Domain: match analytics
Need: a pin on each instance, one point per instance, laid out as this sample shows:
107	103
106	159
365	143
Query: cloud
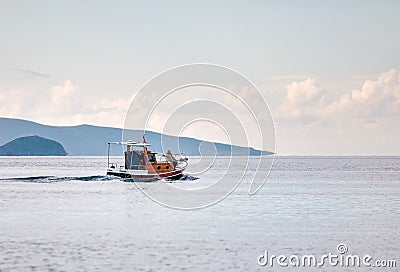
30	73
62	93
305	92
64	90
376	98
306	101
61	105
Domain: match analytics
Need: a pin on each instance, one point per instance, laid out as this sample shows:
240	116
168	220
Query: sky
329	70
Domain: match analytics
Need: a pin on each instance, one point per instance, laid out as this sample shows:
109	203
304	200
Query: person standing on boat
170	158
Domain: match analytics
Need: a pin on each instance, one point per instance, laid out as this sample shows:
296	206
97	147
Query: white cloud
63	105
306	101
59	93
369	112
376	98
305	92
362	121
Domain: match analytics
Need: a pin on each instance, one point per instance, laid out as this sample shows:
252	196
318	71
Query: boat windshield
134	160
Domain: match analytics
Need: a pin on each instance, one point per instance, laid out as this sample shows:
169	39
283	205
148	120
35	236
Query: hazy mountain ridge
92	140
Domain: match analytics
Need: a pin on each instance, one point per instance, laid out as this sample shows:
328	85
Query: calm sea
64	214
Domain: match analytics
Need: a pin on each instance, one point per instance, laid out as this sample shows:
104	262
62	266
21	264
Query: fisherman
170	158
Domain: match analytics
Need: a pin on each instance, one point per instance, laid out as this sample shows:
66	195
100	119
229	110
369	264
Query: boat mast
108	155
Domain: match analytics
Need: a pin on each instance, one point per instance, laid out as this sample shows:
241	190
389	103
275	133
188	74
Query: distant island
32	146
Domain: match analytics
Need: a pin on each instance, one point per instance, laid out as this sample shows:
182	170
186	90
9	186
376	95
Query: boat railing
138	167
133	167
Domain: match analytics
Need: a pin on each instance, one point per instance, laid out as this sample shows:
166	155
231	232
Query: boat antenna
108	155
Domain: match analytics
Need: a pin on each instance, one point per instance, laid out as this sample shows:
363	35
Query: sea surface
64	214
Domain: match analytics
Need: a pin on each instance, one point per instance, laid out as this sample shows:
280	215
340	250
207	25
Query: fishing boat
142	164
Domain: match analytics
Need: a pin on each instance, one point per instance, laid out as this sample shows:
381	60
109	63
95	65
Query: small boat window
158	167
167	167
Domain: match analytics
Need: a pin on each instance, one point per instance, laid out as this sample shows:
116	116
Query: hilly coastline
89	140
